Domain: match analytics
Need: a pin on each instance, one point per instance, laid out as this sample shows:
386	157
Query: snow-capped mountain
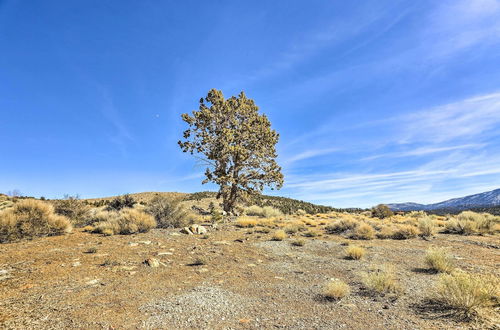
486	199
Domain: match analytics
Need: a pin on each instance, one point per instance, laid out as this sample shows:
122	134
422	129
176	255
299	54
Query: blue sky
375	101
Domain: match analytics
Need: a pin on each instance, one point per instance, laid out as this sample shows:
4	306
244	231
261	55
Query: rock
175	234
152	262
221	243
77	264
164	253
186	230
92	282
133	244
145	242
4	274
252	265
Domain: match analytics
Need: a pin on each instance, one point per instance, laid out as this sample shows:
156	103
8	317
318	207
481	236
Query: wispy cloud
422	151
309	154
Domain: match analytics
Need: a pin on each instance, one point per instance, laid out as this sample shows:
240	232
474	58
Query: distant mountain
482	200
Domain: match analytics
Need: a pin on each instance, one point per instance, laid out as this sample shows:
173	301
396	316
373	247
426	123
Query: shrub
405	232
426	226
310	233
439	260
121	202
385	232
341	226
299	242
300	212
279	235
381	211
336	289
381	281
269	212
30	218
363	231
169	213
469	223
291	229
127	221
246	222
355	252
466	293
253	210
74	209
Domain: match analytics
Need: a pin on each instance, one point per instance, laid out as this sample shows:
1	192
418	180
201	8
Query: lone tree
236	143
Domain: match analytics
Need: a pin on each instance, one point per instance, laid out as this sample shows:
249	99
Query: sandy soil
84	280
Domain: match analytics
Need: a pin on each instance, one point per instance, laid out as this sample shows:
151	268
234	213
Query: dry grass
470	223
405	232
468	294
264	212
381	281
355	252
279	235
336	289
426	226
341	225
124	222
246	222
364	231
299	242
439	260
385	232
31	218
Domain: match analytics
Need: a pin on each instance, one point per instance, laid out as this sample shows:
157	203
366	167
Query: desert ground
236	276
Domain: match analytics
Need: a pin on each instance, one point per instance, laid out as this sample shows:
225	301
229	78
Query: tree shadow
432	309
427	271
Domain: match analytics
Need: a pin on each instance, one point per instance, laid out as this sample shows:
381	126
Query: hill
485	200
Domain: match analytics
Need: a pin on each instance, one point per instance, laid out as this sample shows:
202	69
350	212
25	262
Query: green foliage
168	212
121	202
381	211
236	143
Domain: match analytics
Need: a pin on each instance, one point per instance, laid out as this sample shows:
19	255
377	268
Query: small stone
252	265
202	270
221	243
175	234
92	282
186	230
145	242
164	253
152	262
77	264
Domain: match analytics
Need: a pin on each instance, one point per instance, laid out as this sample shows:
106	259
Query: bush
439	260
74	209
336	289
121	202
127	221
385	232
169	213
253	210
299	242
381	281
341	226
264	212
381	211
363	231
355	252
30	218
426	226
246	223
467	294
469	223
279	235
405	232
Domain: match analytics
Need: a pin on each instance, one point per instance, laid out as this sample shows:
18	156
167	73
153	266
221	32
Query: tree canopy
236	143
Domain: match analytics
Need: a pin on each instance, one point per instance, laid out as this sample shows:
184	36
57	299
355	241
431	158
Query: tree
381	211
236	144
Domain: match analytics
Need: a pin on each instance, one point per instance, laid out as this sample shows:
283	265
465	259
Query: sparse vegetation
279	235
246	222
169	213
31	218
341	226
381	280
405	232
364	231
468	294
124	222
336	289
439	260
470	223
426	226
299	242
121	202
355	252
74	209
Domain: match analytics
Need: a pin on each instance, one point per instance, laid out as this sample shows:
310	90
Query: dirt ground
246	281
